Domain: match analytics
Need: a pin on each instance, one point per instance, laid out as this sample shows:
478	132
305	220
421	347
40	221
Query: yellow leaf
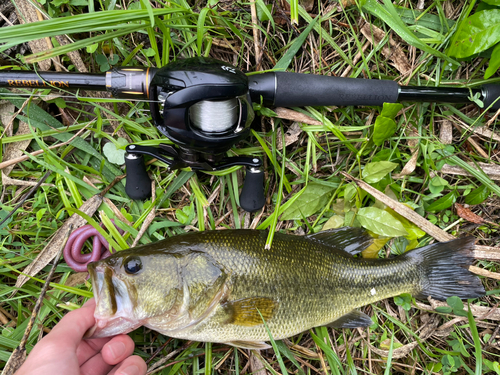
372	250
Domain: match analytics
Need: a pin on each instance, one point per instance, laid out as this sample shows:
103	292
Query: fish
226	287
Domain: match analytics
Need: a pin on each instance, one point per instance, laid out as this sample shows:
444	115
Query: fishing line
214	116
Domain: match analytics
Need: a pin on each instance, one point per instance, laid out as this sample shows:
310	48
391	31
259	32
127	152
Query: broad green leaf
492	2
380	222
425	19
312	200
113	154
477	196
437	184
263	12
444	309
442	203
494	63
457	305
336	221
478	33
391	109
404	300
384	128
414	232
92	48
374	172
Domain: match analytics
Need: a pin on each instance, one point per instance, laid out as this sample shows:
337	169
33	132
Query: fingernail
129	370
117	349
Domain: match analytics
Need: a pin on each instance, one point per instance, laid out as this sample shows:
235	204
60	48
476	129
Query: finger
117	349
70	330
89	348
95	366
64	336
133	365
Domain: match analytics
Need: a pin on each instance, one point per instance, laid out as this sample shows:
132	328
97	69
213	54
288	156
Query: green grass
303	180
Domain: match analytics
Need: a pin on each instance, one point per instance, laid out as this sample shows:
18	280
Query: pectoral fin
245	312
354	319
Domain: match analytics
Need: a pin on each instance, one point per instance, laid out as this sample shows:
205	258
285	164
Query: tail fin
445	270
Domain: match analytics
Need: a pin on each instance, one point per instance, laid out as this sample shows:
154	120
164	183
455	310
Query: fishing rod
204	106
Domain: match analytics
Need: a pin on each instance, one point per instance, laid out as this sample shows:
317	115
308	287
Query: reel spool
203	106
215	116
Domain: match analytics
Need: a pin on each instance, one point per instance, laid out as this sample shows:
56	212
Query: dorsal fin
350	240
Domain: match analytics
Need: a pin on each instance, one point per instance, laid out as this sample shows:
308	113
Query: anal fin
354	319
259	345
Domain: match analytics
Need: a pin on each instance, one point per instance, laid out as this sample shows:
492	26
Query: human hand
64	351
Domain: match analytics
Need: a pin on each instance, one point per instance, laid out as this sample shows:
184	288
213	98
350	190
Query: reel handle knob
252	194
138	183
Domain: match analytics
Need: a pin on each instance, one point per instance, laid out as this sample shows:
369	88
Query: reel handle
252	194
138	183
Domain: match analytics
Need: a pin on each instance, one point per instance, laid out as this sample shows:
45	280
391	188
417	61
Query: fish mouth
114	309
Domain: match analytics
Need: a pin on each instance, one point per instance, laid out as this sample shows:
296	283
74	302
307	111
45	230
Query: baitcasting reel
204	106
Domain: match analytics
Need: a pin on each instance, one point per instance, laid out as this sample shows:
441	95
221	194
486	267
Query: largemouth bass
219	286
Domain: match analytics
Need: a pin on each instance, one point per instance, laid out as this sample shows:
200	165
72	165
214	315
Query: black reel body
203	106
192	91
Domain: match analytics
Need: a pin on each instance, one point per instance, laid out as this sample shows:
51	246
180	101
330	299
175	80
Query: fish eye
132	265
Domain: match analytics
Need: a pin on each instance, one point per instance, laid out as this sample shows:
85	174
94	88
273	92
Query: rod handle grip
138	183
286	89
491	94
252	194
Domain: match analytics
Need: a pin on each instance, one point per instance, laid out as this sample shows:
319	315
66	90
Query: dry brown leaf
409	166
483	131
7	181
392	52
290	114
485	273
7	110
467	214
309	4
74	56
348	3
50	251
487	252
116	211
27	13
401	352
291	135
413	142
446	132
76	279
492	170
256	364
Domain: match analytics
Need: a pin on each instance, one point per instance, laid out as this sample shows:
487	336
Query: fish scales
314	284
219	286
